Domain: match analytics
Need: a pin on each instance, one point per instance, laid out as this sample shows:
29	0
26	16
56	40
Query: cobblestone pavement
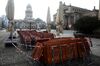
11	57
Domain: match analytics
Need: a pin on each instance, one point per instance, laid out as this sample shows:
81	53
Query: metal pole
30	25
12	30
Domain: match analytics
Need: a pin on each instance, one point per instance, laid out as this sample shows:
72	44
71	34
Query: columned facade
70	19
28	22
71	14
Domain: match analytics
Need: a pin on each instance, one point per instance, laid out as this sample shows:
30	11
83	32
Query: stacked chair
62	51
29	38
51	51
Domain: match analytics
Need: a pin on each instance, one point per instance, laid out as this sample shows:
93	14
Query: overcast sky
39	7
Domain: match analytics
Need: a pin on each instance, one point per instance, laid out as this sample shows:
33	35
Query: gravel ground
11	57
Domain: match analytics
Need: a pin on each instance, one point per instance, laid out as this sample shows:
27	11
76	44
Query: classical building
73	13
29	22
28	13
92	13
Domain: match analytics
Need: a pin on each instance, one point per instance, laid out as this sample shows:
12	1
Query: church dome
28	12
29	7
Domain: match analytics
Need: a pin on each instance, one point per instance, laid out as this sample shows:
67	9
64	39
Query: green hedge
87	24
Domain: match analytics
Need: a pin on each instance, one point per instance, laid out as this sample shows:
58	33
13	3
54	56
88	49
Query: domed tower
28	12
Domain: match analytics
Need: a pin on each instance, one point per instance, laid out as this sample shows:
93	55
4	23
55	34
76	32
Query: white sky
39	7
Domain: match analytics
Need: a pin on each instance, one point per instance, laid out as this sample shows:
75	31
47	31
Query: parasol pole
48	20
10	16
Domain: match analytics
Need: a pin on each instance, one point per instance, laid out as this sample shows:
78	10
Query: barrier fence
29	57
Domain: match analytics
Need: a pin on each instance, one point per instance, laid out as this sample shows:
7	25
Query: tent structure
59	19
10	16
48	20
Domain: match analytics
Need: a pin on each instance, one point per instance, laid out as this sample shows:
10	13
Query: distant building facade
73	13
3	22
40	23
92	13
28	12
29	22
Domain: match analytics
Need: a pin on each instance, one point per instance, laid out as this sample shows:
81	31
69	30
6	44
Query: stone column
66	22
75	18
69	22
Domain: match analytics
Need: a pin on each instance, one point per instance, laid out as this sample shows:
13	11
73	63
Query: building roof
75	7
29	6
